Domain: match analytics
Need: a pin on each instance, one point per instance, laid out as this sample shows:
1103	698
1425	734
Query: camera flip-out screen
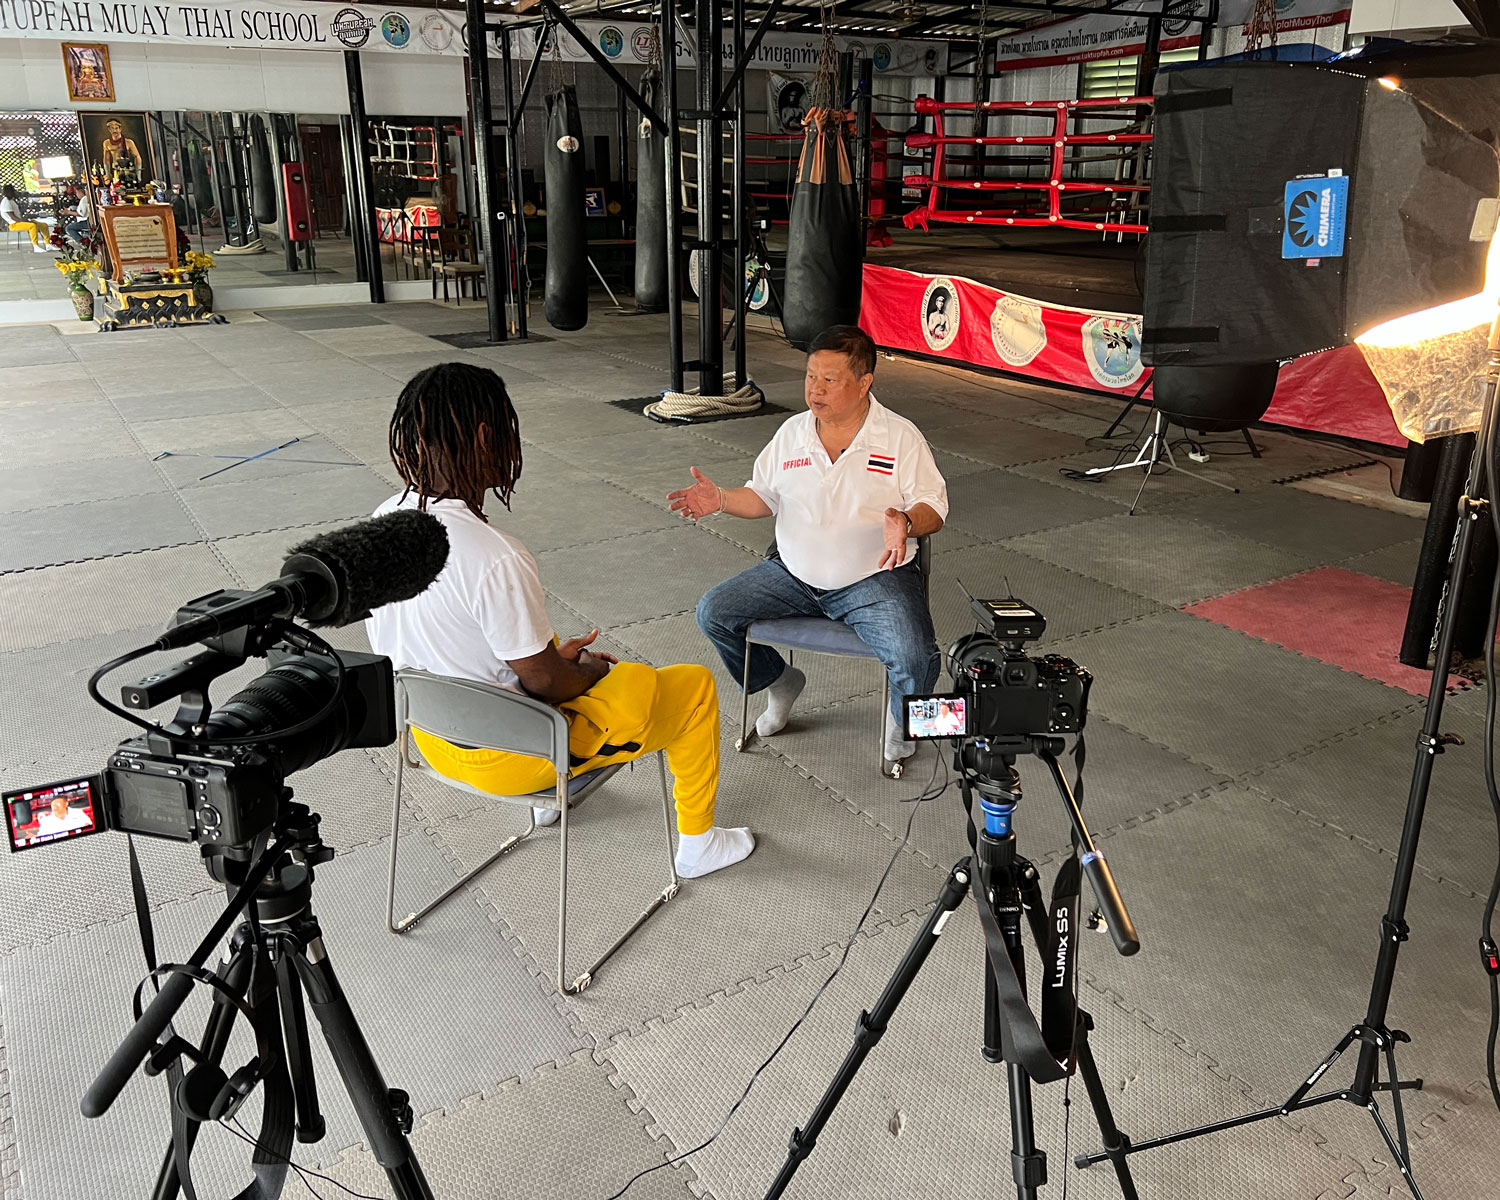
929	717
53	812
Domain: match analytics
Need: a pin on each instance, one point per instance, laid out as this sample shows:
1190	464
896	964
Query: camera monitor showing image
52	812
934	717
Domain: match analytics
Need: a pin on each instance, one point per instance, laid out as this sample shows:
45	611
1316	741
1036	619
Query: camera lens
284	696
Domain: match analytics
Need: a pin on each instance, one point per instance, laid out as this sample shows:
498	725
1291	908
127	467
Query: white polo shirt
830	516
485	609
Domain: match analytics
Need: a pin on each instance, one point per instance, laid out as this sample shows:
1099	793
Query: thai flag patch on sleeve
882	464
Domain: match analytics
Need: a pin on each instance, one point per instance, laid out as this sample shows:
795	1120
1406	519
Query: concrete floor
1248	797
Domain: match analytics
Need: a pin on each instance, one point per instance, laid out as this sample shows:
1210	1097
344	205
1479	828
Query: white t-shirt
830	516
48	825
485	609
10	211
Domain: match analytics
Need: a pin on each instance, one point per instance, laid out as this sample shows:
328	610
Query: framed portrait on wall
87	66
117	140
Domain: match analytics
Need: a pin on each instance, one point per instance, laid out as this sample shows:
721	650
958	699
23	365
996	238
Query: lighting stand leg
872	1025
1376	1039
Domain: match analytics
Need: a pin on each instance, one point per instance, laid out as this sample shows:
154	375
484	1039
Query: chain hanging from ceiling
1261	27
824	91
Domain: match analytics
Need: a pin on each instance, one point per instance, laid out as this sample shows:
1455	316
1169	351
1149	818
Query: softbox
1296	205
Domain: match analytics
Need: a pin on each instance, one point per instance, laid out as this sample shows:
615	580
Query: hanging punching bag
202	187
262	178
825	250
567	285
650	208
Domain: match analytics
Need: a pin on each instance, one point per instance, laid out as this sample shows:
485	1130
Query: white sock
896	746
780	697
546	816
703	853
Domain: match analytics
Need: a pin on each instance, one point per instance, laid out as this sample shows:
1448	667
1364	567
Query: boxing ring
1040	281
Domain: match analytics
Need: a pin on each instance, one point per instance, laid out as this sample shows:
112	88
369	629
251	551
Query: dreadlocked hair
435	442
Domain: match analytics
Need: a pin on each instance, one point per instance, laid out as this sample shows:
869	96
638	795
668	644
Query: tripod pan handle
138	1042
1121	927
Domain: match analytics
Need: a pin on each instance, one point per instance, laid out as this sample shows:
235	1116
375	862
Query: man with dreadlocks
455	438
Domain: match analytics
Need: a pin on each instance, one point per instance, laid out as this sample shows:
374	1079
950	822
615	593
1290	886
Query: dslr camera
1001	694
216	775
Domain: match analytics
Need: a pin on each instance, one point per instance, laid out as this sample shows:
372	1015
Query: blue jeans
887	609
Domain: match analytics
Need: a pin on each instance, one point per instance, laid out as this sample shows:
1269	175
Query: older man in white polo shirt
852	486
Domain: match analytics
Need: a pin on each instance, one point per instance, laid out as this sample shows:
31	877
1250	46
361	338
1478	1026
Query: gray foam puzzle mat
255	506
390	981
598	579
493	1145
1304	523
1071	602
105	595
926	1116
720	929
328	376
192	402
1197	562
999	504
119	478
270	424
94	529
1136	667
1002	442
240	461
1394	564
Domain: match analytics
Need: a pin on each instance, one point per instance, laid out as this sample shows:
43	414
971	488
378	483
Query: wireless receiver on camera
333	579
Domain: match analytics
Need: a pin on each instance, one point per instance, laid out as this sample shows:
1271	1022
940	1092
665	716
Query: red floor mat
1340	617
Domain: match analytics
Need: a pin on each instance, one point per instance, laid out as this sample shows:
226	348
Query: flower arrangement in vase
196	267
76	261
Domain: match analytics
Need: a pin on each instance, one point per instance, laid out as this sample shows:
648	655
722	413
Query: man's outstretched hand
573	649
897	528
702	499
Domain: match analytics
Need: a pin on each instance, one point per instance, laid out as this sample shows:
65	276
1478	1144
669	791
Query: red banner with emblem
948	316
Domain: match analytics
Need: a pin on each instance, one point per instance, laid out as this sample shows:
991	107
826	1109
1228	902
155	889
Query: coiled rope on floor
689	406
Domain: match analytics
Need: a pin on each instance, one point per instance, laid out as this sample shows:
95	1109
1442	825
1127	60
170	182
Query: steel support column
710	201
738	206
674	190
487	198
364	223
515	197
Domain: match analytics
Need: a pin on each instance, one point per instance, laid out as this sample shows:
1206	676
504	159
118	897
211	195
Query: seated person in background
81	227
454	438
60	818
851	485
10	217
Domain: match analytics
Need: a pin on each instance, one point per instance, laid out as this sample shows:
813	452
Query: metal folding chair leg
412	918
587	977
744	739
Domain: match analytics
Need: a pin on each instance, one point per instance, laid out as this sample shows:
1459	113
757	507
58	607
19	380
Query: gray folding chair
491	718
821	635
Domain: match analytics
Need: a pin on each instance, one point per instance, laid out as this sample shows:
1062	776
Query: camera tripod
276	959
1004	885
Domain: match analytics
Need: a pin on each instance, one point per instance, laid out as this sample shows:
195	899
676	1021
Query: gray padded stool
821	635
491	718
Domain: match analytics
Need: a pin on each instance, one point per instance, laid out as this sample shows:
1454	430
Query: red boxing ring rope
1061	112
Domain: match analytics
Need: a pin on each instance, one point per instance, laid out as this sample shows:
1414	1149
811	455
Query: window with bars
1105	77
28	137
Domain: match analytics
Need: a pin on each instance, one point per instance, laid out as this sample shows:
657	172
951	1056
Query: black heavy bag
650	208
262	177
202	187
825	245
567	289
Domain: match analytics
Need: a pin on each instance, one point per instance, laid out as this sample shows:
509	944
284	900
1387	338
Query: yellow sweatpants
679	714
30	227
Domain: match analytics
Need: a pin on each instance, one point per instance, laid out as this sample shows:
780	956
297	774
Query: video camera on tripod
217	776
1007	703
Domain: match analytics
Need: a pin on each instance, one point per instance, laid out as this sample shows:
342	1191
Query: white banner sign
1091	37
250	23
630	43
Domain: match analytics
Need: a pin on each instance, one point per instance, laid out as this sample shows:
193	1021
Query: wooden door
323	152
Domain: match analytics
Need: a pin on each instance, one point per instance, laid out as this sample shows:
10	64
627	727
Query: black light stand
1376	1039
276	961
1003	885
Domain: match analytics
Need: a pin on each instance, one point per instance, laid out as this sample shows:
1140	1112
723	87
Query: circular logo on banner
760	294
1112	349
1017	330
611	41
463	35
640	45
351	27
396	29
437	31
882	56
1179	9
940	313
856	49
567	143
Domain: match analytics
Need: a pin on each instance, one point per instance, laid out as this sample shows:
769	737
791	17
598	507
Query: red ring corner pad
1340	617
